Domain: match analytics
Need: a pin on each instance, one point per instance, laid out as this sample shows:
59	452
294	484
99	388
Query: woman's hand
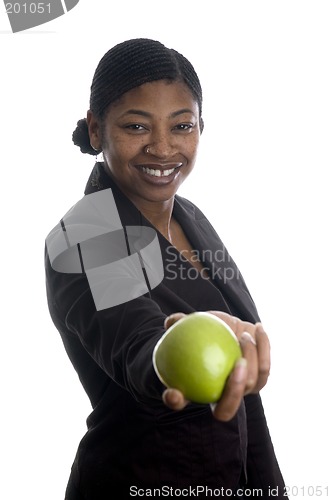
249	375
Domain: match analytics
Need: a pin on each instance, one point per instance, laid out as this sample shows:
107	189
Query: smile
157	172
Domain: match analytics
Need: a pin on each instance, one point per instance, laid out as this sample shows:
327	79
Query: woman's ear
201	124
94	131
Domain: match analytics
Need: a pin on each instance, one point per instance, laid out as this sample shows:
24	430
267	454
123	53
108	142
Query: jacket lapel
213	254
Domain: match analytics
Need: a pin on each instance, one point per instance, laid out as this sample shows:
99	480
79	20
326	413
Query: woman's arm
119	339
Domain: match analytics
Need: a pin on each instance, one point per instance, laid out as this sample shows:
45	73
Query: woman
111	307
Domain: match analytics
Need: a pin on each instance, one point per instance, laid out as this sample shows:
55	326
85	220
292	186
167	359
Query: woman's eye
135	126
184	126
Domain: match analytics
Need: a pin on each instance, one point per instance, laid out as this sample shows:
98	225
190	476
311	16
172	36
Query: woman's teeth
158	173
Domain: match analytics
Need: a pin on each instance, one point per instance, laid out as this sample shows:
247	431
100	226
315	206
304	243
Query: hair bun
81	137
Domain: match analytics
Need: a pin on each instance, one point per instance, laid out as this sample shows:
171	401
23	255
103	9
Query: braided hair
128	65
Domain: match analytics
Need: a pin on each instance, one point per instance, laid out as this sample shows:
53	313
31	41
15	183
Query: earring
97	151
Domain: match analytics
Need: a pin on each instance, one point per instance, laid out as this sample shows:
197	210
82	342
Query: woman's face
163	116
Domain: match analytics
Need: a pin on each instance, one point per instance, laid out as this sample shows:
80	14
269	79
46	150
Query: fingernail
249	337
241	370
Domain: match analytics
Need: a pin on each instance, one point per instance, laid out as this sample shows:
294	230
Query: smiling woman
133	257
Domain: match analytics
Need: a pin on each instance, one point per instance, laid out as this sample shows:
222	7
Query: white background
261	178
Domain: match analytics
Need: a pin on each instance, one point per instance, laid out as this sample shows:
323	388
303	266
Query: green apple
196	355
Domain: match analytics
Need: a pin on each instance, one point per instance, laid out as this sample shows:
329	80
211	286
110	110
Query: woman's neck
159	214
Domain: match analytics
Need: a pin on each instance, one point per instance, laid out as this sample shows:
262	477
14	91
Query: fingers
173	318
231	398
249	351
251	372
255	347
264	357
174	399
231	321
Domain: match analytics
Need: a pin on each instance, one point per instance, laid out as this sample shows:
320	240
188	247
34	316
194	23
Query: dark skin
165	117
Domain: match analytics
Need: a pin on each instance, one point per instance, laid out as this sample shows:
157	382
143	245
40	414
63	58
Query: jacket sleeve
120	339
263	471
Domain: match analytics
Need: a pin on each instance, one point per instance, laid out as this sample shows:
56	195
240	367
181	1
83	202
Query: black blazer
132	439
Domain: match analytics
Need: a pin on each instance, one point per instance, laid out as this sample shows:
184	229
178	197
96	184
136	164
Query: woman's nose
162	146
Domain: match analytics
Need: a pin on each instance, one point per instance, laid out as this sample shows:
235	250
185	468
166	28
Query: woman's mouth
160	175
157	172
